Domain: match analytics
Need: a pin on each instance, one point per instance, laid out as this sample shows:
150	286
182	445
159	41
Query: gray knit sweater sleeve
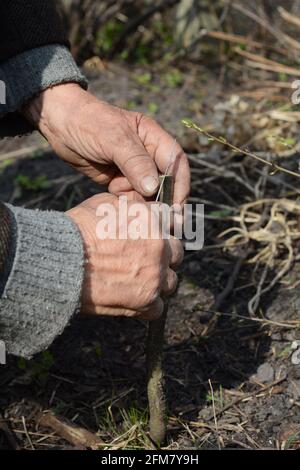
41	282
43	286
27	74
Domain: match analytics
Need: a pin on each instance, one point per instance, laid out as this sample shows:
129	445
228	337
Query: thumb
138	167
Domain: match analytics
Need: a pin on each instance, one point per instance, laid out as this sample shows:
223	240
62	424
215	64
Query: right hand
123	149
124	277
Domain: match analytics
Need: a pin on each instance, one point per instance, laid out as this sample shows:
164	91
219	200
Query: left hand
124	276
123	149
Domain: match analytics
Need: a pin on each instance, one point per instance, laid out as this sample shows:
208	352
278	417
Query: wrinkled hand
123	149
124	277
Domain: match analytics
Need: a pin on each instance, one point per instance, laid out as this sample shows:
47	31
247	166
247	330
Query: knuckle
171	282
150	296
134	160
155	285
159	247
142	118
177	251
174	281
149	289
155	275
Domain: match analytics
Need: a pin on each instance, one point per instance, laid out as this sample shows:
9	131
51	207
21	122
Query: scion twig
221	140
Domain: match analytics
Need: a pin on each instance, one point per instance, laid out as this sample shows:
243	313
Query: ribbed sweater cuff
44	286
33	71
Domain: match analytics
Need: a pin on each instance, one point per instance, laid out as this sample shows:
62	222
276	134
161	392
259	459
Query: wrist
49	105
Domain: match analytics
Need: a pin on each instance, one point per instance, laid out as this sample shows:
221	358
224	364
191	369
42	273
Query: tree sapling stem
154	351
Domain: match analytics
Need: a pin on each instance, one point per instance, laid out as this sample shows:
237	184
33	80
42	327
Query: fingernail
149	184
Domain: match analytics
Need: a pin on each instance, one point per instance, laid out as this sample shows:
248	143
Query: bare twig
239	39
231	281
214	412
27	434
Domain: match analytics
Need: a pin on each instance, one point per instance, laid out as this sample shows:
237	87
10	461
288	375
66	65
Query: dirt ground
230	378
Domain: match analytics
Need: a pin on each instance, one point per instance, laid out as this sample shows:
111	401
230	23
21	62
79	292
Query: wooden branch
236	38
270	68
282	38
77	436
267	64
291	41
24	153
269	83
285	15
154	352
250	14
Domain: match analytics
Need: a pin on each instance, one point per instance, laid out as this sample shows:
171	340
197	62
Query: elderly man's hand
124	276
123	149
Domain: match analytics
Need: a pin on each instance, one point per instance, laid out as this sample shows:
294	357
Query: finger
90	309
120	186
176	252
153	311
160	146
170	282
101	174
182	178
139	168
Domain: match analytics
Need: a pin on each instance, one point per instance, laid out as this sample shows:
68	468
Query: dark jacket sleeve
27	24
